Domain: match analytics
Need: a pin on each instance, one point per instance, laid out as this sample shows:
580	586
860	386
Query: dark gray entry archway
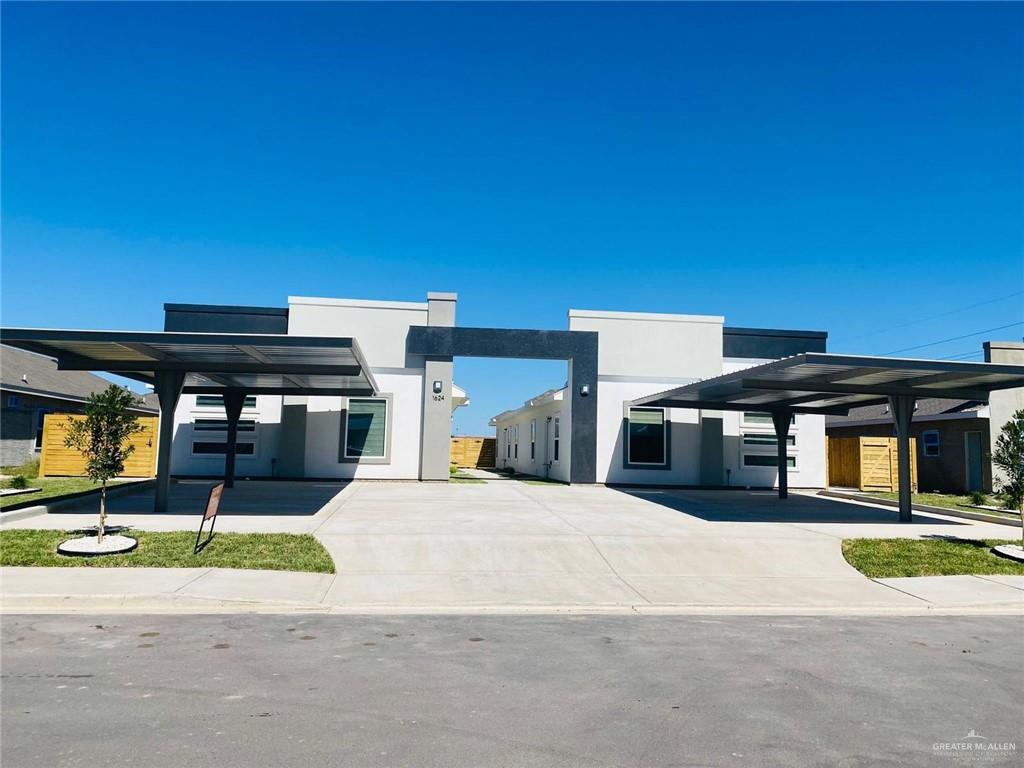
579	348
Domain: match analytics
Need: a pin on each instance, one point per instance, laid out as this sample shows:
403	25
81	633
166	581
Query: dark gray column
902	407
781	421
168	386
234	399
583	388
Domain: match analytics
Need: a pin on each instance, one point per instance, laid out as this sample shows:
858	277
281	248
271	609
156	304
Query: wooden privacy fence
57	460
868	463
473	451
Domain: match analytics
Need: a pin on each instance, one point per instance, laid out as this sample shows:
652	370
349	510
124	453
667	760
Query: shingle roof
926	406
30	373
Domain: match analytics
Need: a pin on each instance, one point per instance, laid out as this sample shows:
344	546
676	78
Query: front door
972	451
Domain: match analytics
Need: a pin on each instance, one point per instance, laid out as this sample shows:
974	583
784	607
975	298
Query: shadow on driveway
279	498
766	507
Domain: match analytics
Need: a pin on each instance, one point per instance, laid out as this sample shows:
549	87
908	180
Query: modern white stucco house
373	437
640	354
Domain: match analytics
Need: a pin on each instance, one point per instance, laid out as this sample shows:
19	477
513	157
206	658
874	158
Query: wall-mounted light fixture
584	390
438	387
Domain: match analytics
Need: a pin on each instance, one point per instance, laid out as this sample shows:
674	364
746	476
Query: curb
56	502
980	517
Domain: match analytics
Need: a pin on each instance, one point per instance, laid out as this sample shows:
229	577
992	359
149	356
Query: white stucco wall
550	408
267	415
640	354
809	449
380	328
324	432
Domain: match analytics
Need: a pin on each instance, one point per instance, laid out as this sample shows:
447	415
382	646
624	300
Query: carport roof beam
833	384
211	362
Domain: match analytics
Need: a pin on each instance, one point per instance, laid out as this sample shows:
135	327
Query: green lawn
50	488
949	500
265	551
887	558
462	477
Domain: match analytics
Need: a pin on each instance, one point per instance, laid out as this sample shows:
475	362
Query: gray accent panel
217	318
291	458
435	451
712	450
770	343
388	437
578	347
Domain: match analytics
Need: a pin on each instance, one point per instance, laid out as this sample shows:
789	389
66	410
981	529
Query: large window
366	428
217	401
533	439
515	450
556	440
930	442
646	436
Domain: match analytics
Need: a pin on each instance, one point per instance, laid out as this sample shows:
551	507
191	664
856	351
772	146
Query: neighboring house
641	354
31	387
952	437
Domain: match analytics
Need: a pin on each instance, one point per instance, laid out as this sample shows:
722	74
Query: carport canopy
229	364
833	384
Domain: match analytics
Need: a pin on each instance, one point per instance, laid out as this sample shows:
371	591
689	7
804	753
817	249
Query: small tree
1009	457
103	438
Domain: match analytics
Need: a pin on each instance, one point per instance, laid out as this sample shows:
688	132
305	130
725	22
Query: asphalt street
448	691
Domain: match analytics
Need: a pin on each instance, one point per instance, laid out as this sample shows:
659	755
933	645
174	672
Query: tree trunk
103	511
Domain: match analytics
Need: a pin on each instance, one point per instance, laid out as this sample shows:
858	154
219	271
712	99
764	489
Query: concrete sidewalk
216	590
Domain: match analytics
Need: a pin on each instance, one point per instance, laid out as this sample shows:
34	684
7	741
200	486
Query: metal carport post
231	365
826	384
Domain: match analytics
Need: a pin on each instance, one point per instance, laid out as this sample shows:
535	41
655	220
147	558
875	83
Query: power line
935	317
963	355
954	338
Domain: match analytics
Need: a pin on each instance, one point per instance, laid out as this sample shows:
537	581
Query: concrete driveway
511	544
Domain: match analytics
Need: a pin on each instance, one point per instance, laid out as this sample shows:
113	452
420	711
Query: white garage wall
267	415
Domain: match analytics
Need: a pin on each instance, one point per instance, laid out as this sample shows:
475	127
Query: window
221	425
40	420
366	428
557	436
766	460
930	441
762	419
202	448
217	401
533	439
508	445
515	451
765	440
13	401
646	436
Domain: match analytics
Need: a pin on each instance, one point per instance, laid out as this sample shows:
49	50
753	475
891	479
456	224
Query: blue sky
854	168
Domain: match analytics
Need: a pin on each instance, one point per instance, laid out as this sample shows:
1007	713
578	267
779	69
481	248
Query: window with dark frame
930	442
366	428
646	436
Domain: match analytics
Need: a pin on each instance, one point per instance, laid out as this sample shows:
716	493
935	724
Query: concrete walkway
509	546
